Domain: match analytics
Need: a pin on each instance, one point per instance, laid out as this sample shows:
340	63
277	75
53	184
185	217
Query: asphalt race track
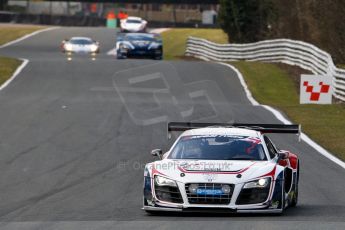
75	136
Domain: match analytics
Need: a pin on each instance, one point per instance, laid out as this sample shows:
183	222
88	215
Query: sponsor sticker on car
209	192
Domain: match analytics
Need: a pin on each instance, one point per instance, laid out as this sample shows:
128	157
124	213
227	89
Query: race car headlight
154	45
260	183
93	48
142	25
68	47
126	46
162	181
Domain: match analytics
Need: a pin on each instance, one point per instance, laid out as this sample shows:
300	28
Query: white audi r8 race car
133	24
216	167
81	45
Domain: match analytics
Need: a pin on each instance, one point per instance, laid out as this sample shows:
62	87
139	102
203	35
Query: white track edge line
243	83
27	36
14	75
24	61
159	30
280	117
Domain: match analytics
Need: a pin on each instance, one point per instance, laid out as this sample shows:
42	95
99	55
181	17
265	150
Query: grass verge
7	68
175	40
275	85
271	84
341	66
9	33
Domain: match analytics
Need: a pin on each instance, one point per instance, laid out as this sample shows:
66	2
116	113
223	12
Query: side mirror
283	155
157	152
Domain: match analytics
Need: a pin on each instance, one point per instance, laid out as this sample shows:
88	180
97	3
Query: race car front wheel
121	56
295	196
158	57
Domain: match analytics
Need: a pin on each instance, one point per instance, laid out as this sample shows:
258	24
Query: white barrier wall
302	54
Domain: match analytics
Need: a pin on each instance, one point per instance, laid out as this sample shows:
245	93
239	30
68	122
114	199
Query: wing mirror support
157	153
283	155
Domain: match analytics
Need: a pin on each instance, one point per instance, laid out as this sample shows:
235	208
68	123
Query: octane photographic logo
155	93
206	168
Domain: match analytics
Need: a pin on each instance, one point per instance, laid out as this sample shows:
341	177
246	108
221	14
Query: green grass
175	40
7	68
341	66
7	34
272	85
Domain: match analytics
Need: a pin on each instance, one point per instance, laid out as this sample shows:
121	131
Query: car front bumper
81	52
210	210
143	53
272	204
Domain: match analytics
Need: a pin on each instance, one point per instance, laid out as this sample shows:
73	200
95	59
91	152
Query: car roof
149	35
84	38
134	18
228	131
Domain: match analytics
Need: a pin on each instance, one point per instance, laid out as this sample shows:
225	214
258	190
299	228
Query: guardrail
302	54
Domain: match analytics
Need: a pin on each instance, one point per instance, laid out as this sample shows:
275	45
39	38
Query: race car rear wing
264	128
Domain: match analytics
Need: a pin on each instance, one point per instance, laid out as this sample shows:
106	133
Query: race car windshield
133	21
81	41
140	38
218	148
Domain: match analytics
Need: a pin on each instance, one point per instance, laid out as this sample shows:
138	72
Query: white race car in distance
216	167
82	45
133	24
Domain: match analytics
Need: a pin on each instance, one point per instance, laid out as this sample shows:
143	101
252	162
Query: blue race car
139	45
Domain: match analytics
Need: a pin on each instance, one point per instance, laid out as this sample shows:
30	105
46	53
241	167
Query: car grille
195	198
139	49
168	194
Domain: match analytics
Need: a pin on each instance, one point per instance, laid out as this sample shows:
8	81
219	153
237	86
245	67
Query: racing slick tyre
158	58
283	201
295	197
119	56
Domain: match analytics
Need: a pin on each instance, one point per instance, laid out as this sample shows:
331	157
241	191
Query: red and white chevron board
315	89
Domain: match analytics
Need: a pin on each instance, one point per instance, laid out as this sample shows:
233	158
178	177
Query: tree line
247	20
